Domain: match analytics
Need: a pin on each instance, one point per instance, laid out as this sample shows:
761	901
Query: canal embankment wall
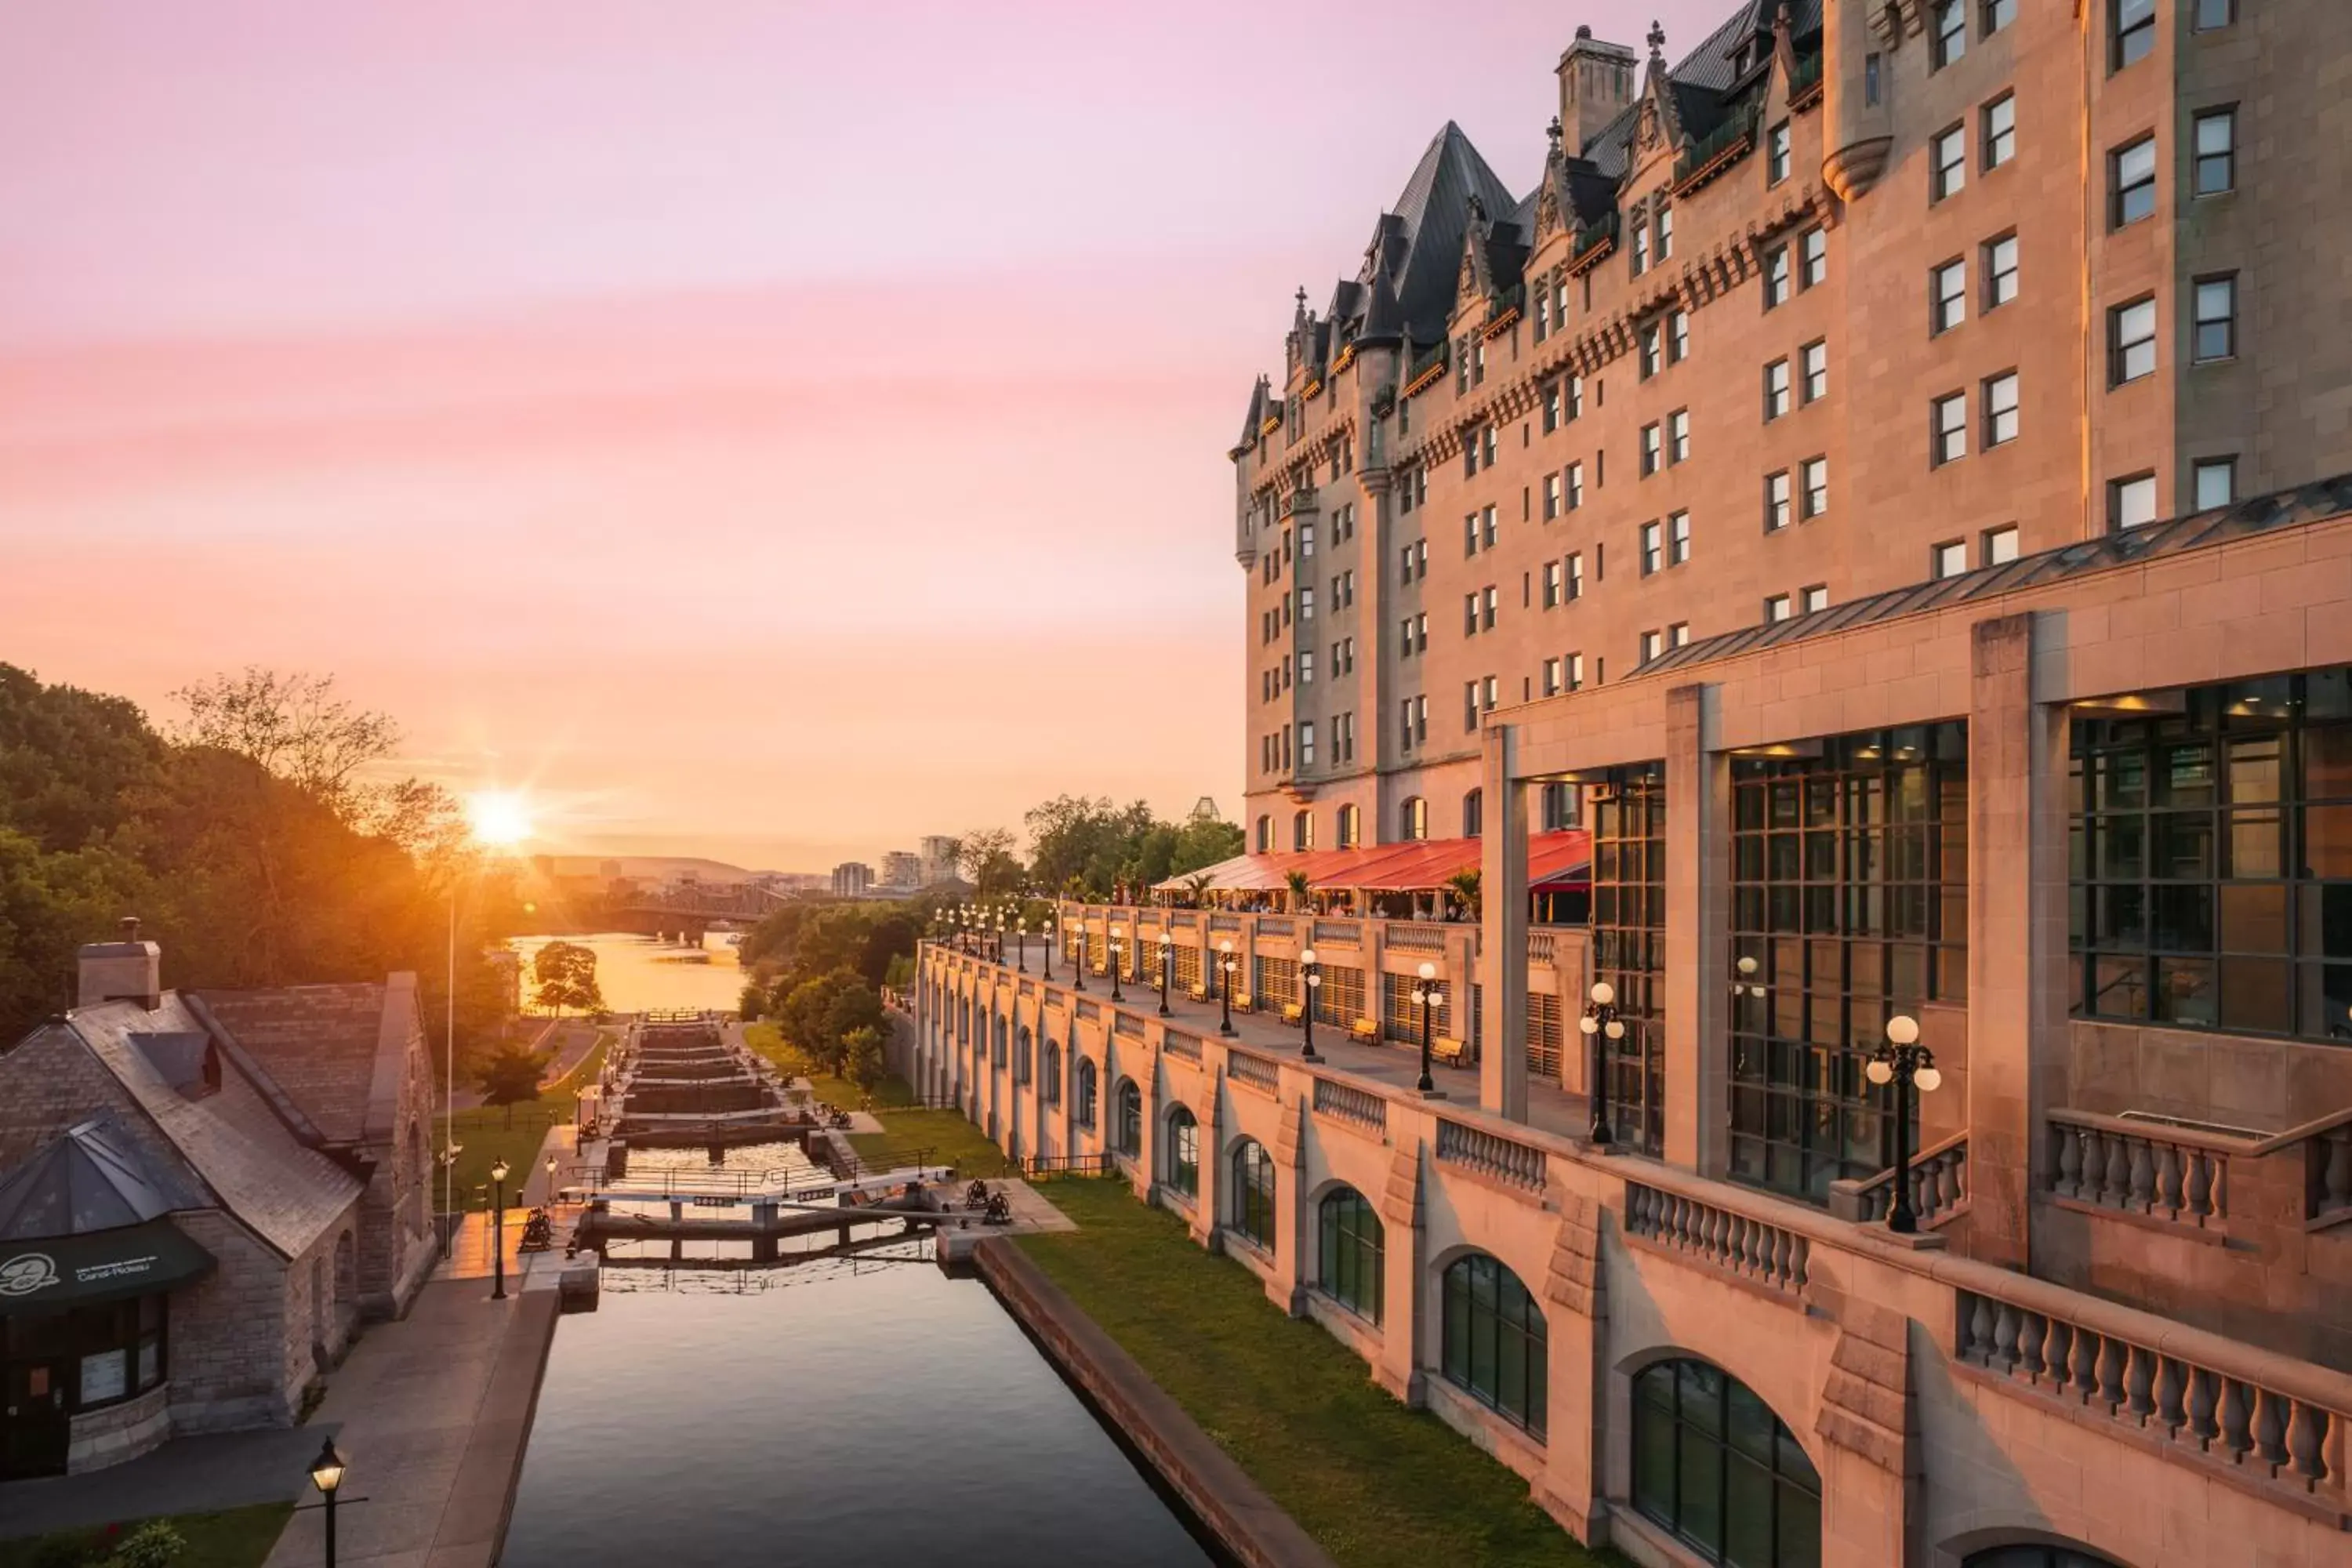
1246	1523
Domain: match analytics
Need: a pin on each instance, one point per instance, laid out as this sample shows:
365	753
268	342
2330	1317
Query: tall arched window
2035	1555
1254	1192
1085	1108
1131	1118
1264	833
1474	813
1351	1252
1184	1151
1302	830
997	1055
1021	1056
1412	818
1713	1464
1053	1073
1350	824
1495	1340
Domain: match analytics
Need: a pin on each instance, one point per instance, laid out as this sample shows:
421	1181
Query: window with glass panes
1350	1256
1546	1036
2211	860
1341	998
1629	945
1254	1192
1849	891
1273	982
1714	1465
1184	1151
1187	967
1401	1014
1495	1340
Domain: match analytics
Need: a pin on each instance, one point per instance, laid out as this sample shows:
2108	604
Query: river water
637	973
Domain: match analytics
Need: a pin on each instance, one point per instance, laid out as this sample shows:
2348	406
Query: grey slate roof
1702	77
319	1042
1430	218
87	1178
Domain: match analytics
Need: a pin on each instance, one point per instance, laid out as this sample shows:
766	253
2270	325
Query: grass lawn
1377	1485
235	1538
486	1138
908	1131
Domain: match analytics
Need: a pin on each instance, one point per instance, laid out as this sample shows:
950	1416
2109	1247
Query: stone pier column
1503	905
1398	1370
1698	924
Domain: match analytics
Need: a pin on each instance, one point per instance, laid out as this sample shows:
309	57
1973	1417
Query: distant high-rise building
902	868
938	852
852	880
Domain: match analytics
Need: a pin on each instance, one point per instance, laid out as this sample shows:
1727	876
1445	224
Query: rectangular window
2001	545
1306	539
1551	497
1305	604
1813	249
1947	37
1678	538
1999	14
2000	414
2216	142
1551	583
1652	548
2000	271
1469	705
1776	390
1653	644
1678	436
2131	342
1489	437
1776	501
2131	502
1306	666
1640	258
1776	153
1814	360
1677	337
1947	297
1575	589
1870	77
1486	620
1470	533
1816	598
2216	482
1815	473
1552	678
1487	527
1307	743
1948	559
1947	164
1575	400
1678	635
2216	326
2134	35
1779	607
1665	232
1551	408
1470	615
1572	671
2000	119
1653	341
1404	726
2212	14
1947	430
1543	314
2133	173
1650	450
1775	276
1575	486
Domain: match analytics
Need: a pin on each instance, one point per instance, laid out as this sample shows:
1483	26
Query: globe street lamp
1313	981
1427	996
1117	949
1226	965
498	1231
1601	1025
1747	985
1049	947
1166	967
326	1475
1906	1064
1020	945
1078	965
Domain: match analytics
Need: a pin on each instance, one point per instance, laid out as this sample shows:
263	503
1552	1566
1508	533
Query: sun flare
499	818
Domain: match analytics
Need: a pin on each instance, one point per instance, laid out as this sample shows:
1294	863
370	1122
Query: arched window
1184	1152
1131	1118
1495	1340
1713	1464
1474	813
2036	1555
1351	826
1053	1073
1412	818
1254	1192
1021	1055
1086	1106
997	1057
1302	830
1264	833
1352	1246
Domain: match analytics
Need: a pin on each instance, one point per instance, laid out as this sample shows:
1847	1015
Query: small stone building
202	1194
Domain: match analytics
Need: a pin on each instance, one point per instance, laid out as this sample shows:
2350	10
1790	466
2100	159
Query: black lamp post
1906	1064
1427	996
1020	945
1226	965
1601	1024
1118	948
1049	947
1166	967
498	1231
1078	967
1311	980
326	1475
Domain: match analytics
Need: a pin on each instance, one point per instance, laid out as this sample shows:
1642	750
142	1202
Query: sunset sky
766	430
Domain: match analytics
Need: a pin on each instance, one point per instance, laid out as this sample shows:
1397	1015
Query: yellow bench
1452	1053
1200	994
1292	1012
1364	1029
1244	1003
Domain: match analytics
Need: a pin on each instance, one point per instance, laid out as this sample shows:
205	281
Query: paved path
432	1414
188	1475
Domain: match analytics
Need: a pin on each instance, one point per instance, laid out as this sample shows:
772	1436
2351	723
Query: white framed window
2131	501
1815	475
1776	390
1306	666
1947	296
1813	360
2000	271
2001	414
1947	430
2215	482
1776	501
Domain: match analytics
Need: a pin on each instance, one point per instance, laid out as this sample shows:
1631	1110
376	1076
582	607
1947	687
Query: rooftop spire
1657	42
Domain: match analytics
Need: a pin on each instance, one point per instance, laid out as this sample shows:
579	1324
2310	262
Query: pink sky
767	430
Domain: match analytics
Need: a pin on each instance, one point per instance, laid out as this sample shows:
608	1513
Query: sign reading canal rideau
63	1272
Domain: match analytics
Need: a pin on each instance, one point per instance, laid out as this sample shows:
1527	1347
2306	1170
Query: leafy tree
1463	886
753	1005
863	1062
510	1076
1300	889
566	973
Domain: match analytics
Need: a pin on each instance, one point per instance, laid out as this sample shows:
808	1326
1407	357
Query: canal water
637	973
867	1413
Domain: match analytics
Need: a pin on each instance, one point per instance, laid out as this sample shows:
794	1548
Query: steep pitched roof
1433	216
88	1178
319	1044
1702	77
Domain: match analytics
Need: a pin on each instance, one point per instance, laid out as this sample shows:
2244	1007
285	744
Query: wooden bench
1452	1053
1292	1012
1364	1029
1244	1003
1200	994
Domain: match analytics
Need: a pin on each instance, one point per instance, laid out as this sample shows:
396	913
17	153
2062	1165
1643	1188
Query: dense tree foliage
566	976
1088	846
246	874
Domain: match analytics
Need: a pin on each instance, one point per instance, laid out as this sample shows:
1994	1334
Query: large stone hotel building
1884	503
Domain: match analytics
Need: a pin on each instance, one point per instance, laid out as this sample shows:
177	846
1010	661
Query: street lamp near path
1601	1024
1311	979
1020	945
326	1475
1049	947
1167	968
1427	996
1118	949
498	1231
1226	965
1906	1064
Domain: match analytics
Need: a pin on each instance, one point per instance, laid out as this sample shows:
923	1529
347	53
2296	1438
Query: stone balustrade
2141	1167
1255	1071
1350	1104
1413	936
1127	1025
1225	922
1773	1256
1541	947
1939	1187
1506	1158
1344	933
1088	1010
1276	925
1181	1045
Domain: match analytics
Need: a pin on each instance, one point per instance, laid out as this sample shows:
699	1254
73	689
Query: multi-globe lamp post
1226	965
1049	946
1310	979
1601	1025
1427	996
1021	945
1909	1066
1167	968
1118	948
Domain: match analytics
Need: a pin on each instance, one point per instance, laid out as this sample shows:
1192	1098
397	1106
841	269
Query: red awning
1556	862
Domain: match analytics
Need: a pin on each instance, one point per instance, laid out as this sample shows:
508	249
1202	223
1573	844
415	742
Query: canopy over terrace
1403	880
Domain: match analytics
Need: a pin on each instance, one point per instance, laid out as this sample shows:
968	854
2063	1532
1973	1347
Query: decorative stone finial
1584	31
1657	40
1478	209
1554	131
1783	21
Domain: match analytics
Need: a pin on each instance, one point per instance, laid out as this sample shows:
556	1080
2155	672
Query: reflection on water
637	973
868	1412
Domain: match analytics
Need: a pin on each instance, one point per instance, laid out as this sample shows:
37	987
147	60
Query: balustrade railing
1939	1186
1491	1154
2330	1176
1225	922
1346	934
1350	1104
1183	920
1540	946
1255	1071
1276	925
1127	1024
2141	1167
1771	1254
2196	1390
1405	936
1088	1010
1182	1045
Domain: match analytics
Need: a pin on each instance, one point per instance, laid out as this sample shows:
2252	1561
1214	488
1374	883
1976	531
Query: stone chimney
1596	85
125	971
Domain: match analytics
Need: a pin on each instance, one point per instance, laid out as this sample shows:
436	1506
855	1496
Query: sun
499	818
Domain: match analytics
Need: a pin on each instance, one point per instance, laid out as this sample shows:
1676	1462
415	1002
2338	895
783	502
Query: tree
862	1050
753	1005
566	973
1464	885
1300	890
978	850
293	724
510	1077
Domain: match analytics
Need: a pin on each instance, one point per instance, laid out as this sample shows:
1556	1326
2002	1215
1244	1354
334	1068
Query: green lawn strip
1377	1485
941	1137
233	1538
792	1062
486	1138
